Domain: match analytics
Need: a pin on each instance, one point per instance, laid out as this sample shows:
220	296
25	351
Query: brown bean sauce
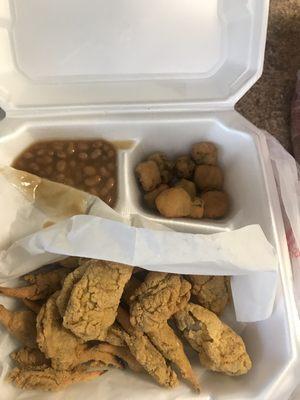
89	165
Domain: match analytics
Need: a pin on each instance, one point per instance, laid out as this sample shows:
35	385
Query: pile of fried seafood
191	186
84	317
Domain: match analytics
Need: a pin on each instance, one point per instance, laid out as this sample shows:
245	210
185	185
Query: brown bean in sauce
89	165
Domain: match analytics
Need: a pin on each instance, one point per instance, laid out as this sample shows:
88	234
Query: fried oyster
65	350
164	338
114	334
220	348
94	299
145	353
157	299
55	341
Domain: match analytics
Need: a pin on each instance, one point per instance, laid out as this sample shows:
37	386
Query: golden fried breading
44	279
205	153
41	285
174	203
32	305
122	353
197	210
208	177
165	340
49	379
113	362
188	186
219	347
216	203
148	174
115	335
150	197
70	280
151	359
184	167
20	324
58	343
146	354
184	294
157	299
69	262
165	166
54	340
94	300
130	288
27	357
210	291
96	354
23	292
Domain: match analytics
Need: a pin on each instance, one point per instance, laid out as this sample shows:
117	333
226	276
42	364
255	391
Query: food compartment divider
123	205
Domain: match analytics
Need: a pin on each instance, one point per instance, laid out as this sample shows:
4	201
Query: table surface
267	104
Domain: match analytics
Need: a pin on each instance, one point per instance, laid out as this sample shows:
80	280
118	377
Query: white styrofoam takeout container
165	74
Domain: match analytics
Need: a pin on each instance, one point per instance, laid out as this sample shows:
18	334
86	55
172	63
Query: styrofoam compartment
272	343
125	52
137	70
238	158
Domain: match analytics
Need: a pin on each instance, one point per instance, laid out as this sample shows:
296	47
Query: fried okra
165	166
208	177
184	167
149	175
216	204
188	186
174	203
150	197
205	153
197	210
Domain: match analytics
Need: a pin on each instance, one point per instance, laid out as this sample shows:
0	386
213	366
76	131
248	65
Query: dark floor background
267	104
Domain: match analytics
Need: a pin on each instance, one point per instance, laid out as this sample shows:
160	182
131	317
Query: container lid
114	53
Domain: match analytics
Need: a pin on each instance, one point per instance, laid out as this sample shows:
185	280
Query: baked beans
89	165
